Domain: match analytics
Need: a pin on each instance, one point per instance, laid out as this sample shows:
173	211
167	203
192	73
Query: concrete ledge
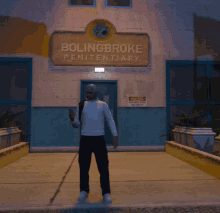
204	161
13	153
109	148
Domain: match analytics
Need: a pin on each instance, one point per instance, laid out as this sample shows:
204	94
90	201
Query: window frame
94	4
106	3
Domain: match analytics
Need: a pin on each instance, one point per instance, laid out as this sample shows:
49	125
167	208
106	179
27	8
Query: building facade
159	57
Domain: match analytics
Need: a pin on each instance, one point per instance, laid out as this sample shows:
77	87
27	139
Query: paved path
137	179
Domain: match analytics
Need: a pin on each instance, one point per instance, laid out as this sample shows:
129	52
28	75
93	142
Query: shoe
83	195
107	198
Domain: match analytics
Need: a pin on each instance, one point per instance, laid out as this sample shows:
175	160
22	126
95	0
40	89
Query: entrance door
107	92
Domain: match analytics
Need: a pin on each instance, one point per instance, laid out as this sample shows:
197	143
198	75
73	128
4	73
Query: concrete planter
9	136
176	133
216	147
3	138
14	135
183	135
13	153
201	139
179	134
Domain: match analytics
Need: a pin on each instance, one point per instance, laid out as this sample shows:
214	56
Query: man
92	140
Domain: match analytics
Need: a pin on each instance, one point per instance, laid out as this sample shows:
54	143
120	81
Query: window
82	2
108	3
193	86
118	3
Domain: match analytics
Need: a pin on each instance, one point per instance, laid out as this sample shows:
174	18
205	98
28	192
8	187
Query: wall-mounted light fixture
99	69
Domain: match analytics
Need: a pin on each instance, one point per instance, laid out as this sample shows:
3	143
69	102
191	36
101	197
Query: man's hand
71	115
115	141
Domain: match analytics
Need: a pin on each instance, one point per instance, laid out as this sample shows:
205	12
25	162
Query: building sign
137	101
99	45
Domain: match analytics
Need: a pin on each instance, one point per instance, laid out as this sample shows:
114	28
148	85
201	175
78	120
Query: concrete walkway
137	179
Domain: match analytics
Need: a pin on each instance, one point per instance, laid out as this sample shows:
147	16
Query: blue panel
51	127
136	127
142	126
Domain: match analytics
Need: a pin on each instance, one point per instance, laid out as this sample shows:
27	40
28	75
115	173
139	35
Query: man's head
91	92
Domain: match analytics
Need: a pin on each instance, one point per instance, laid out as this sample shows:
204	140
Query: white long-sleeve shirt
92	118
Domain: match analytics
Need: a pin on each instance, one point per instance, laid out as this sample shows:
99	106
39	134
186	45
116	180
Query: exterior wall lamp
99	69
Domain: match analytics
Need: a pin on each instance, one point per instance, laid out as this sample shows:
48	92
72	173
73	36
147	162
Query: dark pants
95	144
